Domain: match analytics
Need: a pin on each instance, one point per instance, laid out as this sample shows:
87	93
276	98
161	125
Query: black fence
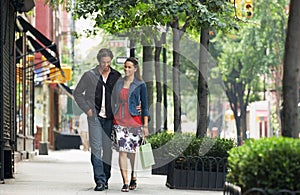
199	173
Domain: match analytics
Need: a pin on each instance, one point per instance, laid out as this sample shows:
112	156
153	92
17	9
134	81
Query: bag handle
144	141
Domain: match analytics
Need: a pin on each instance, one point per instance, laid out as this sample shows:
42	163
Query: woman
130	124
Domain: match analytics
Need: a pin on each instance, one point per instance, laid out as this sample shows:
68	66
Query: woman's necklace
127	82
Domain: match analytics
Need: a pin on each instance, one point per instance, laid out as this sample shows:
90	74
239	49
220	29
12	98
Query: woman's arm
144	101
145	126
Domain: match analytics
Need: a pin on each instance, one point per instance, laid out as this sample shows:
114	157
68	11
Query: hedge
268	163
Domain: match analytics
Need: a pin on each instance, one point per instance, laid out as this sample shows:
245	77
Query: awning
46	48
67	89
75	110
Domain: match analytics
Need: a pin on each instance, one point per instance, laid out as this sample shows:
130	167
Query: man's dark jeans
99	136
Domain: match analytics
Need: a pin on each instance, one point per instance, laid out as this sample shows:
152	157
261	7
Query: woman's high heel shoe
125	188
132	184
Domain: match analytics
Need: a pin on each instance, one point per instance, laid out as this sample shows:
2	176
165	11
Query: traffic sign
120	60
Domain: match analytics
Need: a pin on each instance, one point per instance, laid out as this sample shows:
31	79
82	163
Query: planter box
158	169
199	173
161	165
67	141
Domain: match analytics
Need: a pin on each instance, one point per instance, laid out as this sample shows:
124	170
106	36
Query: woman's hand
145	130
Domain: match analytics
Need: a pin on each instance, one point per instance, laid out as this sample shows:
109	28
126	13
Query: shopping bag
139	168
146	155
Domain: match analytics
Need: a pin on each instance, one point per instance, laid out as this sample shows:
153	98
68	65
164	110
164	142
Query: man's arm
79	95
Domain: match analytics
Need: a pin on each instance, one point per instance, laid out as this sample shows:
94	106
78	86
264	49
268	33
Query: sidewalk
70	172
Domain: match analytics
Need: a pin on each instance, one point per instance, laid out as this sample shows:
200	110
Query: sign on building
117	43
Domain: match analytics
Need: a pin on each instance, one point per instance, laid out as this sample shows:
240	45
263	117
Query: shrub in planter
168	146
199	160
160	151
203	165
159	139
214	147
267	163
188	144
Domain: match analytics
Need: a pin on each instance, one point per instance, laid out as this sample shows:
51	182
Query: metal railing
207	173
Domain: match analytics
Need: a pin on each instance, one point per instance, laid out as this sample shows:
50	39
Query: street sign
120	60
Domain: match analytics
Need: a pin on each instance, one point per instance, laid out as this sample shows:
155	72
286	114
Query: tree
240	73
202	91
116	16
254	50
271	33
219	18
192	15
291	73
158	49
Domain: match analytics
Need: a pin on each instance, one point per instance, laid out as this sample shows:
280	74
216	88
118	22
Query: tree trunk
243	122
278	97
233	102
148	78
202	92
176	80
165	89
242	106
158	86
238	128
132	48
291	73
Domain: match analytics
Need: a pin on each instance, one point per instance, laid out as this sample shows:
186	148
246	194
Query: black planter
199	173
162	162
160	168
67	141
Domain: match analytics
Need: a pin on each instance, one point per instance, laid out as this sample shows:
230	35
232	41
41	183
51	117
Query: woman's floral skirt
126	139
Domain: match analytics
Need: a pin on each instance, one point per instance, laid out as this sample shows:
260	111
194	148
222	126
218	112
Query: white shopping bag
139	168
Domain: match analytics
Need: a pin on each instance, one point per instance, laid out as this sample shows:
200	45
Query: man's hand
90	112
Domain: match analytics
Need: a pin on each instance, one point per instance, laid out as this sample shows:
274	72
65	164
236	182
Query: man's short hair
104	52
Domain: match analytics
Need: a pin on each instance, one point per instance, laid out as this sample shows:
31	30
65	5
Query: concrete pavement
70	172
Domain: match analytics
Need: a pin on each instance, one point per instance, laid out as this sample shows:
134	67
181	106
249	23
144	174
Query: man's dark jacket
88	92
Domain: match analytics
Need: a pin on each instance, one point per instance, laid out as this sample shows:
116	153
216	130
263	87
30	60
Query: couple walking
117	106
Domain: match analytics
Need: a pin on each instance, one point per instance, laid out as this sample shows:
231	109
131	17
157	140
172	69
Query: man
93	96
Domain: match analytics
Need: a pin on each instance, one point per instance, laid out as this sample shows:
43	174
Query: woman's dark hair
135	62
104	52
